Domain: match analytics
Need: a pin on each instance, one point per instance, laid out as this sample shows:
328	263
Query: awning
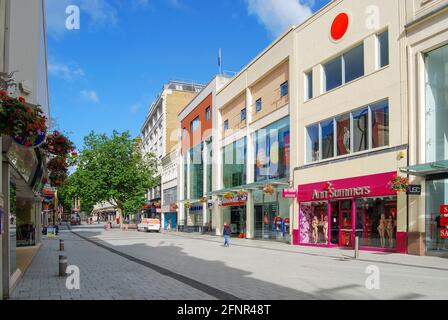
426	169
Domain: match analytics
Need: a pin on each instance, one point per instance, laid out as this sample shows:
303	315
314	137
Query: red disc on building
339	26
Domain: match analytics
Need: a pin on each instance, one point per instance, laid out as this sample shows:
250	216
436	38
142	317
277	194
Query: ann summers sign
341	193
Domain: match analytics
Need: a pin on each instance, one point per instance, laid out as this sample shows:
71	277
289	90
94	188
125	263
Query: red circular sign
339	26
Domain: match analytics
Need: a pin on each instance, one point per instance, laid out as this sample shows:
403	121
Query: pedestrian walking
227	232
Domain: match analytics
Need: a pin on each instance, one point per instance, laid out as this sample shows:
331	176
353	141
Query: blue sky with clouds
105	75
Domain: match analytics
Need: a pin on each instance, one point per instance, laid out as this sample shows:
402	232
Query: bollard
62	266
356	247
61	245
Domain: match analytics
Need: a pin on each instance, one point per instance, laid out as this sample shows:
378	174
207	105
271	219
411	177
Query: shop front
169	217
234	212
334	213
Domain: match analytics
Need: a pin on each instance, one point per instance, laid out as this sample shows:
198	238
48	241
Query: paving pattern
132	265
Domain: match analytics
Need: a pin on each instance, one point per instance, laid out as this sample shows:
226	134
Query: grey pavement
134	265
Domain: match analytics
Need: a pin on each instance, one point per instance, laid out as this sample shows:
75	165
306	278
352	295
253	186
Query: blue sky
105	75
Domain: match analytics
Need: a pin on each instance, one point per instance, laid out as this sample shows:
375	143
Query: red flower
3	93
21	99
74	154
56	132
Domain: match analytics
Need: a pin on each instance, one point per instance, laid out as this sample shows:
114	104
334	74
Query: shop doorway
238	221
264	221
341	223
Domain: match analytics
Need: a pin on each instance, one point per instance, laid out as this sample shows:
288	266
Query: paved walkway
132	265
103	276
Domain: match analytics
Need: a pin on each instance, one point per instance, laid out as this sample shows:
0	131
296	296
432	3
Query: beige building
159	131
426	32
23	49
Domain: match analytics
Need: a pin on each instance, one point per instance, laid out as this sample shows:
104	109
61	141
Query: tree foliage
111	168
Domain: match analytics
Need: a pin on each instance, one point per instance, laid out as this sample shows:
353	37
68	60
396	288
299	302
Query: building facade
427	61
159	131
196	178
169	191
22	49
253	162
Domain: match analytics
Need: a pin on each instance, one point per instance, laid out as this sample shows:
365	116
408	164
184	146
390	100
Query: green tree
112	168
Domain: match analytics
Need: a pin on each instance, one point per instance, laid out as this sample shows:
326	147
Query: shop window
360	130
309	85
327	134
436	110
284	90
380	124
343	134
436	195
313	223
383	49
258	105
234	165
376	222
312	143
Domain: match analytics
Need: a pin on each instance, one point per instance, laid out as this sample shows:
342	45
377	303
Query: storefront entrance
236	216
370	213
264	221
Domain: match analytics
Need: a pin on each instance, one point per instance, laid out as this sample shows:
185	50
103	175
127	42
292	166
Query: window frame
282	86
334	119
198	121
208	113
378	50
309	90
259	101
226	124
243	112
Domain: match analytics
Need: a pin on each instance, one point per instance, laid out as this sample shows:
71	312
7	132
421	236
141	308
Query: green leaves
112	168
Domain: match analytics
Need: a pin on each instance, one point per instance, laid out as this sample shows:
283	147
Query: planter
268	189
399	184
59	145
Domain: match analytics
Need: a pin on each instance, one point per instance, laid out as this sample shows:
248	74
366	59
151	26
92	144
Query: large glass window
196	172
333	74
436	108
234	165
380	124
313	223
376	222
360	130
343	134
272	148
354	63
194	124
186	175
327	129
349	132
345	68
169	196
209	166
436	195
312	143
383	49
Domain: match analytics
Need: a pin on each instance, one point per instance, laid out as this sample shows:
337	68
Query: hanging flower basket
268	189
57	178
228	195
241	195
174	206
399	184
57	164
24	122
203	200
187	205
59	145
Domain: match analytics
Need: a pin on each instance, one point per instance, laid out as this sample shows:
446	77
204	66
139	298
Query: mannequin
314	225
390	231
381	230
325	230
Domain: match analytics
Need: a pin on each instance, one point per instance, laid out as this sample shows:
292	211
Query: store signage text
414	189
444	215
341	193
444	233
289	193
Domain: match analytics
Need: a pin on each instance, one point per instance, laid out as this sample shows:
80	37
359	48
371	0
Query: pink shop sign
357	187
289	193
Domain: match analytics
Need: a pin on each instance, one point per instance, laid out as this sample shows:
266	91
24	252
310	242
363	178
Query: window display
314	223
436	196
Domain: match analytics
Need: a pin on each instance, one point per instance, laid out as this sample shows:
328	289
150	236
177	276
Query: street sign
414	189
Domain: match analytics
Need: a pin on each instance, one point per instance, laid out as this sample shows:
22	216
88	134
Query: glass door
345	223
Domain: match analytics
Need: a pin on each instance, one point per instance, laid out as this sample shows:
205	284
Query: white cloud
64	71
100	13
90	95
134	108
278	15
